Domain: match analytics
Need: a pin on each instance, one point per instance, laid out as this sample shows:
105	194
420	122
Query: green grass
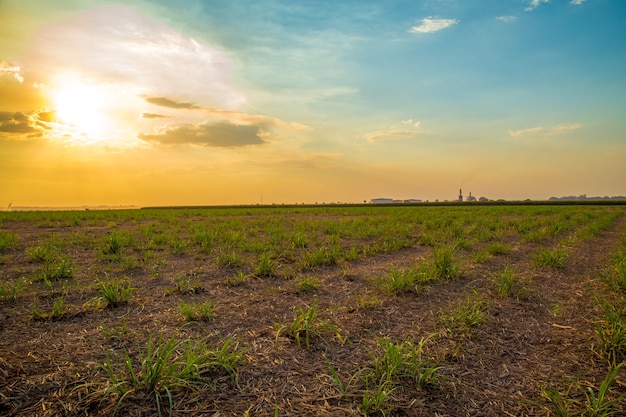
115	292
400	361
463	316
12	291
508	284
229	259
498	248
196	312
445	265
585	399
399	281
163	369
42	253
308	284
611	332
238	279
395	366
323	256
366	301
550	258
7	241
186	285
61	268
59	310
307	326
266	266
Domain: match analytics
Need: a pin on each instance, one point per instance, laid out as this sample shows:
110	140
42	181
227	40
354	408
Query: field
314	311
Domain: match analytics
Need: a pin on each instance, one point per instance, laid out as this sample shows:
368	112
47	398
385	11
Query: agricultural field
314	311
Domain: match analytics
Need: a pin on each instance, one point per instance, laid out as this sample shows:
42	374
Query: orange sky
111	103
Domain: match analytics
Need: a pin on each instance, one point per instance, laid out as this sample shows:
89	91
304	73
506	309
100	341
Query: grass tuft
196	312
164	368
306	326
115	292
550	258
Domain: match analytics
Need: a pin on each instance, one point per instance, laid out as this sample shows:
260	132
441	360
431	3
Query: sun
81	109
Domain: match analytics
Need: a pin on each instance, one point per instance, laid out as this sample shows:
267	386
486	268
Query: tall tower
460	194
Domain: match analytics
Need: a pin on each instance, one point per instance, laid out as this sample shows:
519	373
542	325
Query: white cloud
563	129
381	135
577	2
534	4
12	70
506	18
395	133
527	131
553	131
429	25
410	122
117	44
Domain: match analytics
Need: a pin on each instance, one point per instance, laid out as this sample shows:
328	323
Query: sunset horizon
109	103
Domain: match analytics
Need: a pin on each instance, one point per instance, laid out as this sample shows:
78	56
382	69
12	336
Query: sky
212	102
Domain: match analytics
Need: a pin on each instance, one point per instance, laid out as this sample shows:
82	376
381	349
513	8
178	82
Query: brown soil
545	337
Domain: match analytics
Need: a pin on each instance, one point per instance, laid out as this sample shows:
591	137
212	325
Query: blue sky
311	100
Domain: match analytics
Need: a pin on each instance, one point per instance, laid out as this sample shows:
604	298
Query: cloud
12	70
221	134
553	131
563	129
535	3
153	116
527	131
506	18
119	45
394	132
577	2
382	135
410	122
19	123
429	25
166	102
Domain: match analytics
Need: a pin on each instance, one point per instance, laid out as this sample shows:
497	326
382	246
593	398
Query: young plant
115	292
57	270
307	284
12	291
397	282
306	326
598	401
398	361
41	253
238	279
266	266
229	259
7	241
166	367
58	311
445	266
498	248
186	285
554	258
465	315
375	400
507	283
196	312
612	333
367	301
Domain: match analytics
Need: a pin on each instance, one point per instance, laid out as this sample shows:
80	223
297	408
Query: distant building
460	195
412	200
470	197
381	201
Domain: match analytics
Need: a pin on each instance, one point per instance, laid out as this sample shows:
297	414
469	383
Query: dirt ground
545	337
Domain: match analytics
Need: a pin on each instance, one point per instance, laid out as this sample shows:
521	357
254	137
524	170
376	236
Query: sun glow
81	109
